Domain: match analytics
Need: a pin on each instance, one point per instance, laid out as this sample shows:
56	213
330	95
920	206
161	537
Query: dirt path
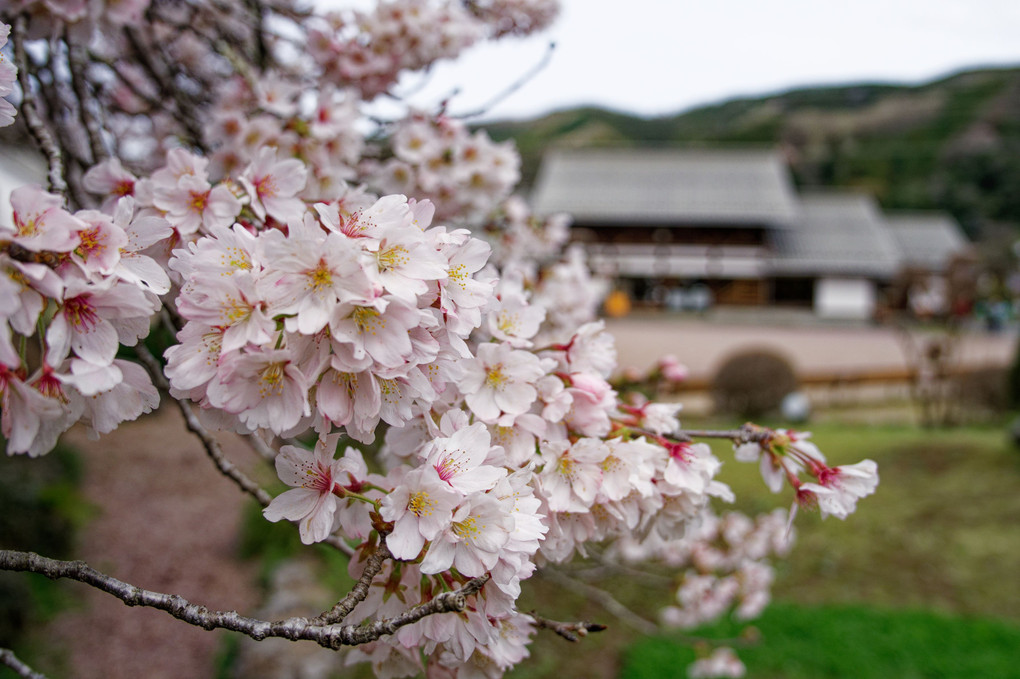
166	521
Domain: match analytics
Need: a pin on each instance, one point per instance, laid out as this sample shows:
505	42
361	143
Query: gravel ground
166	521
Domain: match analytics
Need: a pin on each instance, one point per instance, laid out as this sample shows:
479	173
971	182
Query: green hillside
951	144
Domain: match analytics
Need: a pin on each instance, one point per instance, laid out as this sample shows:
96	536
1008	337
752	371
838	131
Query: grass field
920	582
832	642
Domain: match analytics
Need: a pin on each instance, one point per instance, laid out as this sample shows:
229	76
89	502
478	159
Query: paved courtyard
810	346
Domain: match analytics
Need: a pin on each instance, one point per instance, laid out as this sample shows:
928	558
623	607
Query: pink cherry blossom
571	474
272	185
313	475
421	506
480	528
263	387
501	380
40	221
839	488
193	203
29	417
458	460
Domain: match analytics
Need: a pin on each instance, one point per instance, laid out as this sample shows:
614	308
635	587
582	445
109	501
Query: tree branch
213	448
77	60
33	120
295	629
747	433
571	631
358	593
603	598
211	445
184	105
8	658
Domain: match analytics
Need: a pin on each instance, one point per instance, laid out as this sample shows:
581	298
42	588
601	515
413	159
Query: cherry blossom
313	476
420	507
839	488
501	381
273	184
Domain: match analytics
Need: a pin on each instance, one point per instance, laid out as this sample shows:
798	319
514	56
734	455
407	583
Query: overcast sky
662	56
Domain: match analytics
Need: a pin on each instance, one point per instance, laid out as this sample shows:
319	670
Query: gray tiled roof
665	186
838	234
926	239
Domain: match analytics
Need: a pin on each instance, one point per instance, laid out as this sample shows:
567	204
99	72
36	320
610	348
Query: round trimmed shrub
752	383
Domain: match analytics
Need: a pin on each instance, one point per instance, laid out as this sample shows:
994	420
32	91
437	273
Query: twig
77	59
747	433
264	450
167	88
608	567
8	658
571	631
211	445
516	85
33	120
329	636
604	598
360	590
213	448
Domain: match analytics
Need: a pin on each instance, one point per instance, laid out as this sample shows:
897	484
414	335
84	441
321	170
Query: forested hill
950	144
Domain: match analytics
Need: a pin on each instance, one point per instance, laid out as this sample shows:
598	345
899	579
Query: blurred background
813	210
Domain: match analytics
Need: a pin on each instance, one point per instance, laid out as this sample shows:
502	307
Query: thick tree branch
295	629
12	661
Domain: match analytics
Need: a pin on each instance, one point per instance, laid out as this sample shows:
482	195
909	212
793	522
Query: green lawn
823	642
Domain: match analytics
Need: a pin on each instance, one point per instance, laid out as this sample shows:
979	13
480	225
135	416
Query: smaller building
837	257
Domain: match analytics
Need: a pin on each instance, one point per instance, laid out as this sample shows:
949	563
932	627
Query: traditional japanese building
683	228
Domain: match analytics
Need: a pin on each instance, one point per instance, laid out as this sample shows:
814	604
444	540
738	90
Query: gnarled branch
330	636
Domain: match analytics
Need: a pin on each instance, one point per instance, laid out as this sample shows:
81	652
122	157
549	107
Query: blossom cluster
369	50
514	17
343	320
332	285
464	174
784	455
74	12
8	74
726	562
522	240
78	286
